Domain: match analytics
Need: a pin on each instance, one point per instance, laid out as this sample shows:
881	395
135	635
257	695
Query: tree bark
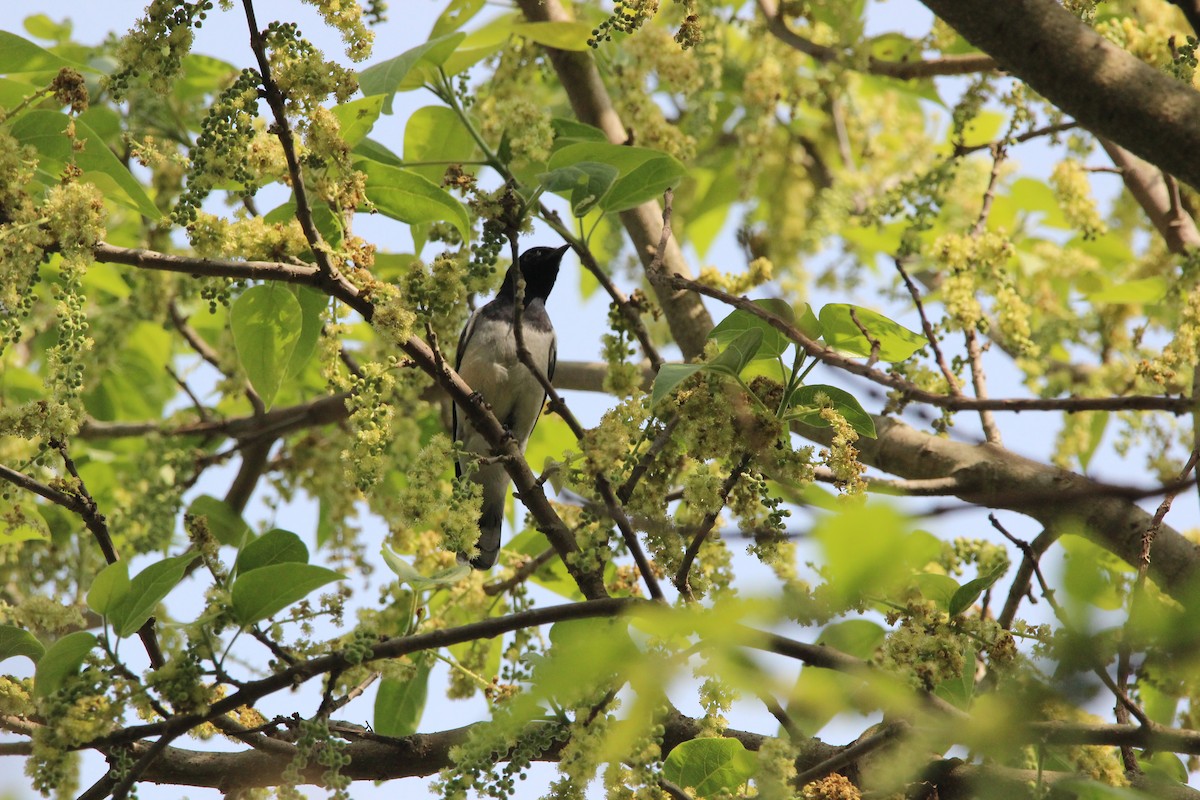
1105	89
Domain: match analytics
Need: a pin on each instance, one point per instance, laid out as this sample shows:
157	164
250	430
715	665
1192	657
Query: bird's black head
539	265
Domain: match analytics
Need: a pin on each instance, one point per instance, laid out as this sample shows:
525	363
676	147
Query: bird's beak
562	250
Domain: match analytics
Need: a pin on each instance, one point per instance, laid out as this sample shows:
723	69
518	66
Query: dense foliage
196	334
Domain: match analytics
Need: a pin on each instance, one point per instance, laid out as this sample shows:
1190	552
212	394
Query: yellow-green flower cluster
973	262
301	72
371	416
1074	195
842	456
157	44
347	17
759	271
526	124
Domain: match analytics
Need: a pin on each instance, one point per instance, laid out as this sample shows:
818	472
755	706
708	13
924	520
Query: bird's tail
489	537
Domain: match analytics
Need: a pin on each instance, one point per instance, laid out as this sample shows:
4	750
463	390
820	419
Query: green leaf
266	321
16	641
21	55
709	765
856	637
809	325
644	173
773	341
936	587
276	546
370	149
557	34
223	522
436	133
808	400
400	703
43	27
969	592
312	306
896	342
569	131
43	130
358	117
585	184
389	77
1135	292
406	196
457	14
1086	789
61	661
869	551
108	587
130	611
263	592
740	351
645	182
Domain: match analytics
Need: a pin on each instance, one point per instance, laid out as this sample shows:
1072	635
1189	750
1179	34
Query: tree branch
1106	90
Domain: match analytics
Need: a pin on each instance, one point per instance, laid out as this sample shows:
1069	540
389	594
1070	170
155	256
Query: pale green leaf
223	522
266	322
561	35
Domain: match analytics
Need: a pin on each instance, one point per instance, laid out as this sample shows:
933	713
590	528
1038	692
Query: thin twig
930	334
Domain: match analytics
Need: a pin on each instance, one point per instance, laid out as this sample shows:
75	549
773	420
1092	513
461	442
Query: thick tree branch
1105	89
904	70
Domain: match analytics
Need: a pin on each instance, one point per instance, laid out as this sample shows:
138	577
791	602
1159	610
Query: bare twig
930	334
946	65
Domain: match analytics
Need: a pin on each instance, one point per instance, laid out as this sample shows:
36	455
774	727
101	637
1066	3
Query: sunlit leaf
21	55
357	117
970	591
561	35
389	77
670	376
896	342
773	341
266	321
45	131
436	134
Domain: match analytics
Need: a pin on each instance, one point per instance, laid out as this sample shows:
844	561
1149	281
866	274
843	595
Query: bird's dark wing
463	338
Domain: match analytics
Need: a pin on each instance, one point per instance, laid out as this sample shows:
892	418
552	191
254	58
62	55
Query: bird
487	360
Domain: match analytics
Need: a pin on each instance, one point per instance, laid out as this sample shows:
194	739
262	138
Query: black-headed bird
487	360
